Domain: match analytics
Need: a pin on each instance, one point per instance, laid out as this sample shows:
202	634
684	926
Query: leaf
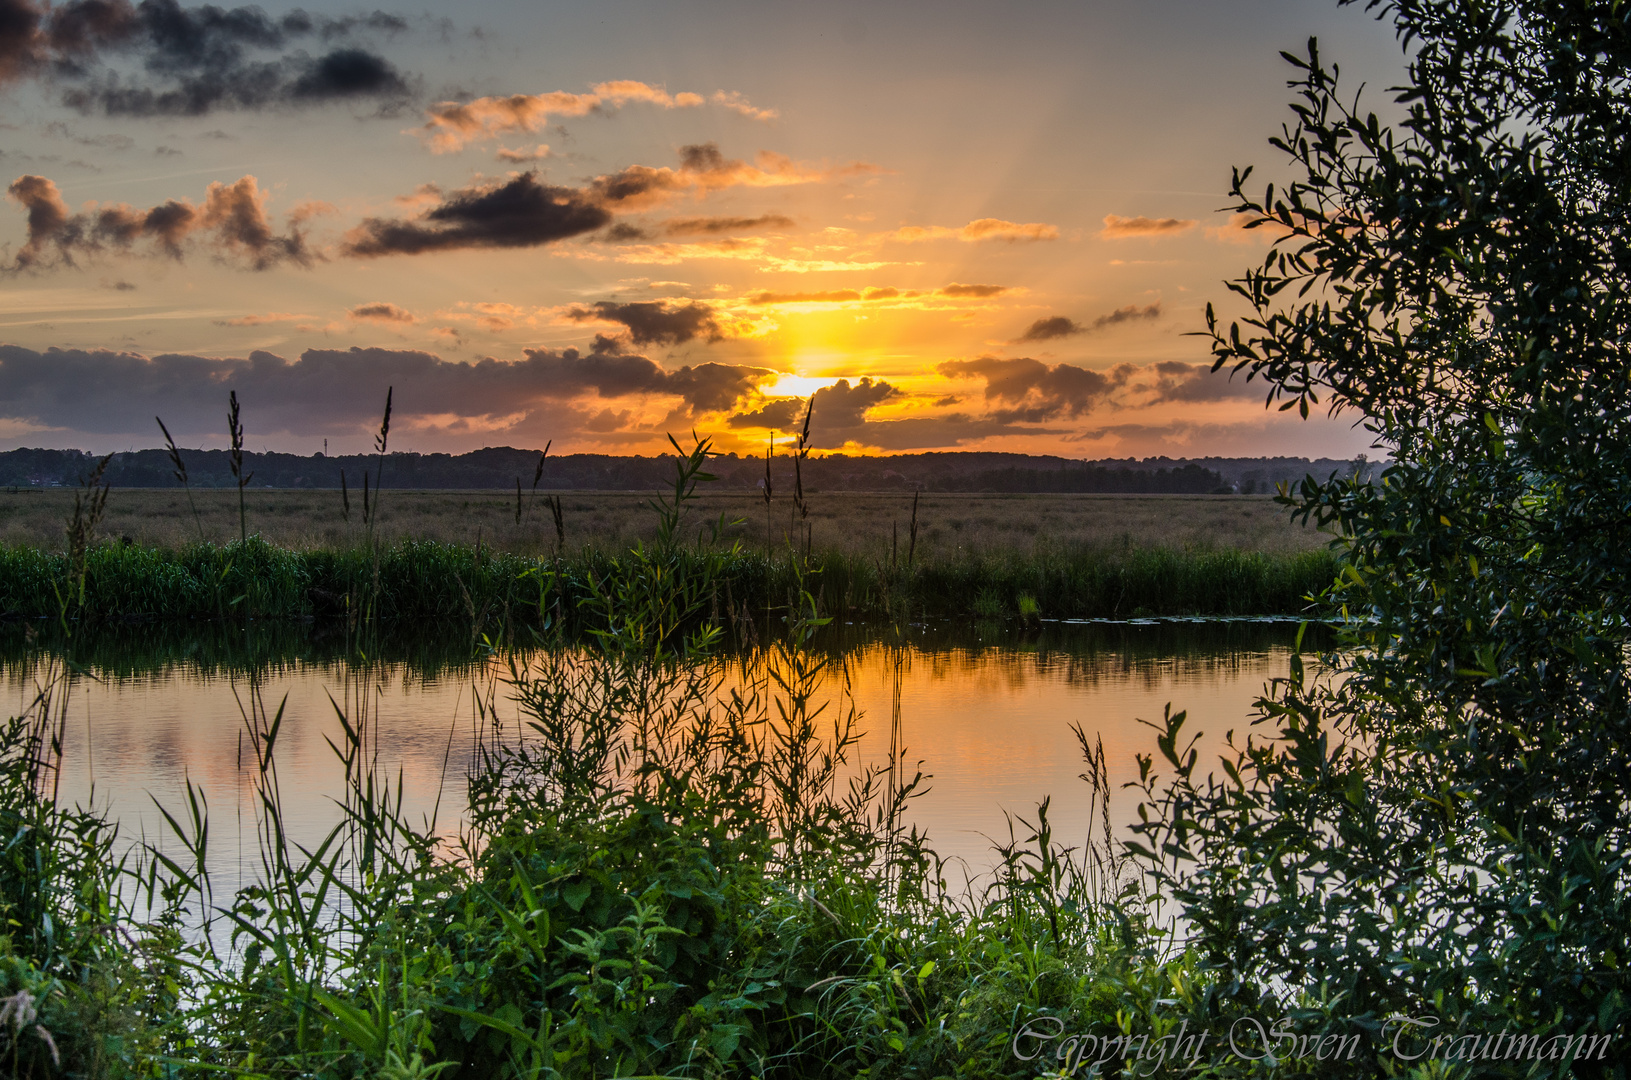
576	893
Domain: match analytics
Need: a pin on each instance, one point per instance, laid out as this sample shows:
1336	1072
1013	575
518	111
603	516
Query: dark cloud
330	391
517	213
348	73
842	406
1033	391
21	42
839	412
381	311
193	60
1056	327
1130	313
780	414
622	232
1177	381
637	186
653	322
232	222
714	226
973	291
1059	326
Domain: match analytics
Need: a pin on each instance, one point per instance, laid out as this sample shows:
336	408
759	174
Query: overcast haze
963	226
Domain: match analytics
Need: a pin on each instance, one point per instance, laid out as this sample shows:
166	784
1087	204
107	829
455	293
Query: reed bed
427	580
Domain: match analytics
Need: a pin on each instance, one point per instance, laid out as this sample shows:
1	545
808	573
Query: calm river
986	709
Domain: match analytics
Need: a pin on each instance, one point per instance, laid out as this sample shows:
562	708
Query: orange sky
960	228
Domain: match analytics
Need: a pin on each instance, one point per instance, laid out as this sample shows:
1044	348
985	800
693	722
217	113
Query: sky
958	226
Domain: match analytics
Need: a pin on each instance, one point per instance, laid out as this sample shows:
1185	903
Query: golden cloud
977	230
453	125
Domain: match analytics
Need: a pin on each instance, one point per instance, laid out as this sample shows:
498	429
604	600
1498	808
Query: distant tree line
1188	479
500	467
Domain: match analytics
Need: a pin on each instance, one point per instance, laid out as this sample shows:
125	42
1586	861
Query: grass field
865	523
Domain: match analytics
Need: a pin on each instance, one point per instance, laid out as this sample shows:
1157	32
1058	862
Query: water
986	708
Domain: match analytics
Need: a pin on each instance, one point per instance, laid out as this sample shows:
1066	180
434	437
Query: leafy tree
1437	826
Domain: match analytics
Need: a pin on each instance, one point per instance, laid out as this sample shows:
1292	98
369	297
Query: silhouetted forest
501	467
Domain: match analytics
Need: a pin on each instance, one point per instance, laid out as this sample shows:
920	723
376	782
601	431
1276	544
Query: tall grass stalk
179	469
235	432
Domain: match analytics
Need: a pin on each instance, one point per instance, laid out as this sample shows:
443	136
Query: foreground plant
1439	828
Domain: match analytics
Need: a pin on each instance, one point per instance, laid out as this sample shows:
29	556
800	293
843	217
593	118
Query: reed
425	579
235	458
179	468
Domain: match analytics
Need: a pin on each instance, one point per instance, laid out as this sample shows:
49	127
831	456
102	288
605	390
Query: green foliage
1438	825
421	579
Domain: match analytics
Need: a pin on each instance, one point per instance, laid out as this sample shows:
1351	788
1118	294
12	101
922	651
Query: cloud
521	157
232	222
453	125
830	296
736	103
381	311
653	322
1130	313
1033	391
974	231
779	414
1174	380
839	411
844	406
911	298
1120	228
973	291
713	226
263	319
703	169
22	45
517	213
194	60
331	391
1057	326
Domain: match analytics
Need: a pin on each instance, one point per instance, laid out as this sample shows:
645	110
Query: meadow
855	523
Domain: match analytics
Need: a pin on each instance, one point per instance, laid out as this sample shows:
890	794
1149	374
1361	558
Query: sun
796	385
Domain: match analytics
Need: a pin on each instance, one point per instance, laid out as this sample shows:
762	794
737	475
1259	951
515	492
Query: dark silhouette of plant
235	458
180	469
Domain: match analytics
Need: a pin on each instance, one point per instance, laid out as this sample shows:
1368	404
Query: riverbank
426	580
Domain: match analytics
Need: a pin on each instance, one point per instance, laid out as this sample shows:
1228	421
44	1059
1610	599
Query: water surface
987	709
